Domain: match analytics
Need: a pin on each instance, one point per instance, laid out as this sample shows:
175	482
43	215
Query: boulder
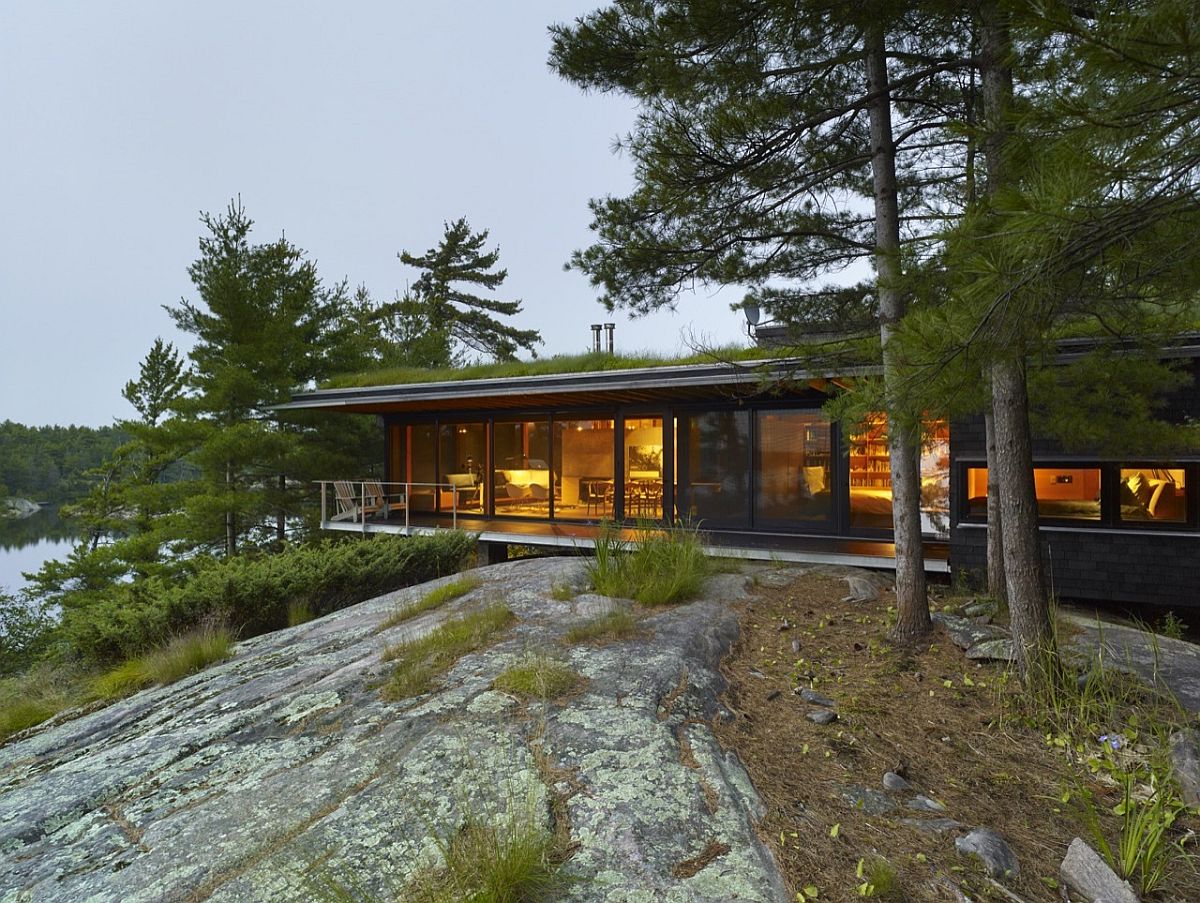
998	859
998	650
1185	764
815	698
1089	879
965	633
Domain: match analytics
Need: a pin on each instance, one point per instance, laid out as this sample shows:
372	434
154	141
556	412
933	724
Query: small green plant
1145	849
1170	626
658	567
562	592
537	676
420	661
878	878
299	612
435	598
618	624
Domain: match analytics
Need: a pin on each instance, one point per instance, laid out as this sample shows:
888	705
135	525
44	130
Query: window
871	476
644	468
463	451
793	467
1154	495
522	476
718	468
1063	493
582	457
422	466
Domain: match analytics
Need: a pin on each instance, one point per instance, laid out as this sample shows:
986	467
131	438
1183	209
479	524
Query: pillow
814	479
1130	506
1141	489
1157	487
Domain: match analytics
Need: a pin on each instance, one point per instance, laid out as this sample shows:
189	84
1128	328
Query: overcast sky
357	128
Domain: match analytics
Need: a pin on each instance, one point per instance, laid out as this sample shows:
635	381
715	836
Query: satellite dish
750	309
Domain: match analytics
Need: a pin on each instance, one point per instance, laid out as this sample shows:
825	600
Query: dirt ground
931	715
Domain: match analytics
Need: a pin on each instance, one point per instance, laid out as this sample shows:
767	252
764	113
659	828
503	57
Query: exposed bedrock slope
237	783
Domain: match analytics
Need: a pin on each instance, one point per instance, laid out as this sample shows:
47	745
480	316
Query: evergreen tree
440	311
763	127
264	325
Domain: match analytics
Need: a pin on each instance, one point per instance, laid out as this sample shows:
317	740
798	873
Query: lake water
27	543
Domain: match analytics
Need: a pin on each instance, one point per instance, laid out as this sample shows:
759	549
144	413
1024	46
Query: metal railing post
324	519
454	506
407	503
362	508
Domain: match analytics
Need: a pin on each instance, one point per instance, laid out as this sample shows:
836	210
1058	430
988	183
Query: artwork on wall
644	457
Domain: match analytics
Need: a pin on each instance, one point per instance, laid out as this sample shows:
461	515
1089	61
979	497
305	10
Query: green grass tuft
658	567
299	612
435	598
39	694
176	659
618	624
562	592
420	661
537	676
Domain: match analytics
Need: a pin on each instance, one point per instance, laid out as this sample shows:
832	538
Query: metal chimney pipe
608	330
596	337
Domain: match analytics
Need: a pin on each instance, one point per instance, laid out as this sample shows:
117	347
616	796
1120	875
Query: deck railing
373	501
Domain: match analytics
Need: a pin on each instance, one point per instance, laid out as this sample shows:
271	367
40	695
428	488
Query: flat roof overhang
648	385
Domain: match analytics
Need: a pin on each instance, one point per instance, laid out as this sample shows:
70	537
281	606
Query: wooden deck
809	549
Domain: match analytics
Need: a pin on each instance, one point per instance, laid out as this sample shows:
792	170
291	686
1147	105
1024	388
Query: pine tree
763	128
264	324
440	309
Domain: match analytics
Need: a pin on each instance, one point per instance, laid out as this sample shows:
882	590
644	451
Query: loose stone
992	850
815	698
931	825
822	717
925	804
1088	877
1185	761
868	801
999	650
893	781
795	646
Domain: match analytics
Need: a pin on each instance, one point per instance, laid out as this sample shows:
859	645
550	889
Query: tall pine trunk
912	602
996	585
1013	473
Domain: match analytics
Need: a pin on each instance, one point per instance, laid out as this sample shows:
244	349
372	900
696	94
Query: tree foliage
442	313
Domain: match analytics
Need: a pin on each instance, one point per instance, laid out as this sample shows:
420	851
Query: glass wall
582	458
871	477
463	454
521	474
793	467
422	466
718	468
644	468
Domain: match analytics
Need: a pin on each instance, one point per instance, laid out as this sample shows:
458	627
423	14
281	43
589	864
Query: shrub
537	676
435	598
255	594
658	568
618	624
420	660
